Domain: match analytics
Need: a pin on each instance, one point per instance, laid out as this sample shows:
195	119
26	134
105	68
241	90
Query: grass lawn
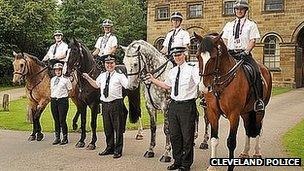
15	119
293	141
280	90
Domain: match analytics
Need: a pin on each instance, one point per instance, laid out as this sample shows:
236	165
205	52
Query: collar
58	43
111	73
182	65
242	19
177	29
108	34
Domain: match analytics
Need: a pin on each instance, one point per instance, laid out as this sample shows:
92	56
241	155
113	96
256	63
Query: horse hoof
165	159
149	154
32	138
243	156
257	156
91	147
204	146
39	136
139	137
75	126
80	144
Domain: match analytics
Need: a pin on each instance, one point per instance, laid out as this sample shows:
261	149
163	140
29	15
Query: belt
183	101
63	98
113	101
236	50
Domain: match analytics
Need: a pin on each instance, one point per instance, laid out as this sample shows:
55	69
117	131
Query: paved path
17	153
14	93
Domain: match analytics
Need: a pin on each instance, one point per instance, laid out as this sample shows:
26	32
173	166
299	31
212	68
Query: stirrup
259	105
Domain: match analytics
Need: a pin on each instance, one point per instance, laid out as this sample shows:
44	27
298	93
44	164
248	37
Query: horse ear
138	49
221	34
75	40
198	37
124	48
15	54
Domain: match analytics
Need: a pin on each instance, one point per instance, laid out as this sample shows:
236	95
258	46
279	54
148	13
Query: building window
192	50
274	5
228	8
162	12
272	52
195	10
158	44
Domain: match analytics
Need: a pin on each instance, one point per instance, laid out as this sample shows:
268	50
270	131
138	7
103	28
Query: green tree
26	25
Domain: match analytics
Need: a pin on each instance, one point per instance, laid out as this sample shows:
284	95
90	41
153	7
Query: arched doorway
300	59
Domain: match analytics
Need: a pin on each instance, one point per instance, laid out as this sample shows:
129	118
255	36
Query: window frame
275	57
193	4
224	8
156	42
274	10
157	7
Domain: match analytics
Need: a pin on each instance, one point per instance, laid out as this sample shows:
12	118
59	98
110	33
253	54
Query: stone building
280	22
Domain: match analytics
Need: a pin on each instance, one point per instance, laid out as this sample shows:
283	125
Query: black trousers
114	124
59	108
181	116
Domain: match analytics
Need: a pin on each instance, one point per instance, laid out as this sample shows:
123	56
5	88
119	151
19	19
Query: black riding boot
64	139
57	138
259	105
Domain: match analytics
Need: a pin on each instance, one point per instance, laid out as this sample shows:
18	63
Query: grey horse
141	58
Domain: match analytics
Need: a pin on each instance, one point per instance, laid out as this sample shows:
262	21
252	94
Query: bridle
142	72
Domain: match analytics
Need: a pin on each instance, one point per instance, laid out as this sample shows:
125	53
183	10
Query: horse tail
254	123
134	105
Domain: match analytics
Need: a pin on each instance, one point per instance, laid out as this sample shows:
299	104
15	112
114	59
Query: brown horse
36	75
229	93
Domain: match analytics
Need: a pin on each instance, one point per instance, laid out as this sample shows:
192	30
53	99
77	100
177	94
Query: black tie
171	41
176	82
106	89
55	49
237	30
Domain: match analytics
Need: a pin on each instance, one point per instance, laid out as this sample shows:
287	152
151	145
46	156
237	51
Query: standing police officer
177	37
107	44
110	84
57	51
240	36
60	87
183	81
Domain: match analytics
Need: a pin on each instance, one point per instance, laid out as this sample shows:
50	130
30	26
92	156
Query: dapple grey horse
141	58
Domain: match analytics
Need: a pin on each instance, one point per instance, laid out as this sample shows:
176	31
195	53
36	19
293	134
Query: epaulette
191	64
118	70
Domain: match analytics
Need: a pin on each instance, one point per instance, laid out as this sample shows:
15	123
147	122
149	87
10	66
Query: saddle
252	72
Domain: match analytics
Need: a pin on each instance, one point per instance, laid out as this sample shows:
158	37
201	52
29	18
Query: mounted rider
177	37
106	44
58	51
240	36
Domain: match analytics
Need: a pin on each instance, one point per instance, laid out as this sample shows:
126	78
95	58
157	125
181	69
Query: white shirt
117	81
105	44
248	31
188	82
61	89
62	47
181	38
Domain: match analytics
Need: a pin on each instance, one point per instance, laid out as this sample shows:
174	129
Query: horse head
20	68
210	50
134	64
75	56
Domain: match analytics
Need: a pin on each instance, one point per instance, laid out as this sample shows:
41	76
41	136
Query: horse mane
143	43
32	57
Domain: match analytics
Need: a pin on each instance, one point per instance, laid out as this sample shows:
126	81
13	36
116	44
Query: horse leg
214	119
75	119
94	111
139	135
231	140
32	137
166	156
245	153
152	113
37	121
204	144
257	148
83	114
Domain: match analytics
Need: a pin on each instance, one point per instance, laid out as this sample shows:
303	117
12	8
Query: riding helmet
107	23
241	4
58	66
177	15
